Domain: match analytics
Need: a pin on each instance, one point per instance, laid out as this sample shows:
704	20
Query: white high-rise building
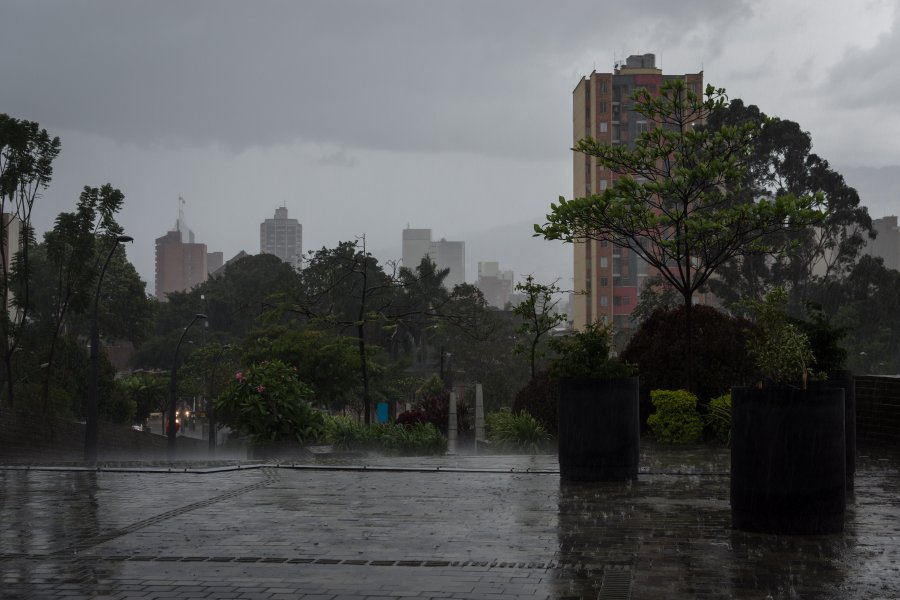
282	237
496	285
450	255
417	244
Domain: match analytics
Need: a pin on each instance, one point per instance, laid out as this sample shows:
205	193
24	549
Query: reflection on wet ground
457	527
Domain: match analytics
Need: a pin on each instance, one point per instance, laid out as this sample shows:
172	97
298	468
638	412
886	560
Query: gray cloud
395	75
338	158
867	78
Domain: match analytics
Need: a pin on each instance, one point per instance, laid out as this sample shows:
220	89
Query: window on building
604	127
617	94
603	243
603	184
641	127
604	300
603	107
617	300
604	282
626	300
615	113
604	262
603	87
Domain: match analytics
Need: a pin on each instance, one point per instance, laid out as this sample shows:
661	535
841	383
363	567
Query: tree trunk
689	343
365	374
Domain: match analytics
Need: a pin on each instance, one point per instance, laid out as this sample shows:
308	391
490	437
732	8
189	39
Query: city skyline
363	117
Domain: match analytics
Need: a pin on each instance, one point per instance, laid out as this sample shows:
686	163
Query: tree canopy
677	201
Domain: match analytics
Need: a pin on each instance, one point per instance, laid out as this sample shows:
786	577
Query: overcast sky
364	116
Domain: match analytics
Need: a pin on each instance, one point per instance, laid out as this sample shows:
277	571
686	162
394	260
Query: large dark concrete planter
845	381
598	429
788	460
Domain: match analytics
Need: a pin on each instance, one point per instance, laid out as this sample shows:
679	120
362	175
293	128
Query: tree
422	295
322	359
538	315
148	391
345	288
26	167
782	163
676	202
71	250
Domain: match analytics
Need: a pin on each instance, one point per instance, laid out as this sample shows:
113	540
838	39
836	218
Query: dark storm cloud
405	76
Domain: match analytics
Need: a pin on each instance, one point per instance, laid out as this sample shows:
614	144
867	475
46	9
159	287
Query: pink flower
260	388
239	376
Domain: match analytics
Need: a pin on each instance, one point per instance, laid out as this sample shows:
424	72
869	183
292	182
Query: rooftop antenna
181	204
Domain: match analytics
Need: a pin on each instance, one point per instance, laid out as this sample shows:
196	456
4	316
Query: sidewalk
451	527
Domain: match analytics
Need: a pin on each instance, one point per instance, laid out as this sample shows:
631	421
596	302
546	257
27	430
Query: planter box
788	460
844	380
598	429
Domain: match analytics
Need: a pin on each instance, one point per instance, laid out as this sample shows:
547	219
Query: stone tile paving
480	527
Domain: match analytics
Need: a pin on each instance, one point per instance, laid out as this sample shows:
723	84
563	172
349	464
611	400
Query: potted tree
788	464
598	421
830	358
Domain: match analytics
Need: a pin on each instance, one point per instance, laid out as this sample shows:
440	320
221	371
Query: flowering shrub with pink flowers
270	403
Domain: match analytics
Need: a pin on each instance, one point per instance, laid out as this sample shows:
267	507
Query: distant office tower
887	244
12	237
416	244
214	261
496	285
445	254
602	109
282	237
12	230
180	264
450	255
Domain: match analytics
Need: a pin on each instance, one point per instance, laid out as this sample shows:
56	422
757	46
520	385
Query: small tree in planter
269	403
598	423
788	463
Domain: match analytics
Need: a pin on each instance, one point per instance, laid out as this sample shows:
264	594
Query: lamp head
124	238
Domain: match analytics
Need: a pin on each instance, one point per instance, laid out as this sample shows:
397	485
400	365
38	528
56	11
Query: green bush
676	420
411	440
516	432
587	354
418	439
720	355
718	418
345	433
269	403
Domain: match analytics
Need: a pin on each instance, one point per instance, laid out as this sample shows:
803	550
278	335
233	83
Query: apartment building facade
610	278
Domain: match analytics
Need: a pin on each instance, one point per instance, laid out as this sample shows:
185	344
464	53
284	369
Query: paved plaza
451	527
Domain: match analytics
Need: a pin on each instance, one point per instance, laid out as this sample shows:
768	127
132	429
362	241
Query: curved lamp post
92	409
172	387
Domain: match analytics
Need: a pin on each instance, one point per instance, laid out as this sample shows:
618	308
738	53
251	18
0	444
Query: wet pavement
449	527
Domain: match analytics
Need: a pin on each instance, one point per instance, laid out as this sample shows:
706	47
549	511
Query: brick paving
499	527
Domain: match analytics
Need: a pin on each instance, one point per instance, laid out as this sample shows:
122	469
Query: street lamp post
172	389
92	409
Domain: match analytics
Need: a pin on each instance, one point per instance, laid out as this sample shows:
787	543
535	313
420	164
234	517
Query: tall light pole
172	388
92	409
